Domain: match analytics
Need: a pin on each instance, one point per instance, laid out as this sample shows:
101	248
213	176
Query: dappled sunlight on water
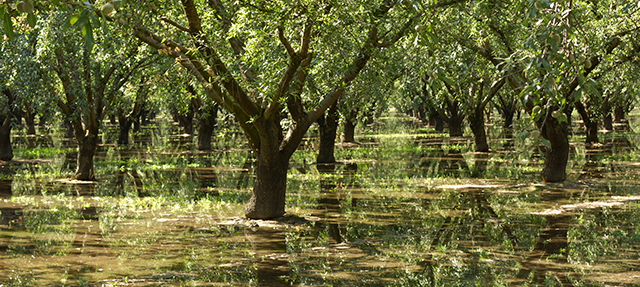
402	209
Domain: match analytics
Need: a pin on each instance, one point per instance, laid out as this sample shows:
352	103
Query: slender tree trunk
349	131
556	157
328	126
87	145
607	119
6	151
476	121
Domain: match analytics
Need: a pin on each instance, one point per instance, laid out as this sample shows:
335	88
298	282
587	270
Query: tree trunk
590	126
68	129
349	131
476	121
6	151
268	196
618	113
328	126
556	157
206	125
87	145
30	119
125	126
607	120
591	129
455	125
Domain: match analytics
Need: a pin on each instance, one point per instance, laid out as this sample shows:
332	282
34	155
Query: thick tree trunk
556	157
476	121
268	196
6	151
328	126
206	125
87	145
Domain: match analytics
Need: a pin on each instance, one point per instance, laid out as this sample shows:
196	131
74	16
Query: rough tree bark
555	157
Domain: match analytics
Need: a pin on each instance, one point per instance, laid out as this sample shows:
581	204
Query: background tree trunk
125	127
328	127
555	158
206	126
349	131
6	151
455	125
476	121
87	145
590	126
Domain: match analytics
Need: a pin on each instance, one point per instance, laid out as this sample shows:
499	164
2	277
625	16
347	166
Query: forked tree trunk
328	126
555	158
268	196
590	126
87	145
6	151
476	121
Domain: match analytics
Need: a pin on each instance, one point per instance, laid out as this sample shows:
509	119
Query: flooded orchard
405	206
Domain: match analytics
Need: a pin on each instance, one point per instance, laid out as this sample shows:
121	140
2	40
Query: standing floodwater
402	207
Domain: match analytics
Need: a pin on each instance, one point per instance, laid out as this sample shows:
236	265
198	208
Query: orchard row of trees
277	67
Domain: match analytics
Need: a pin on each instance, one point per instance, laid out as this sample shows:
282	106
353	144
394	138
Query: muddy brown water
401	209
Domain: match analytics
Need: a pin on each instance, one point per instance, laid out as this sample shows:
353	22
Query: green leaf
31	19
74	19
87	32
545	142
7	24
